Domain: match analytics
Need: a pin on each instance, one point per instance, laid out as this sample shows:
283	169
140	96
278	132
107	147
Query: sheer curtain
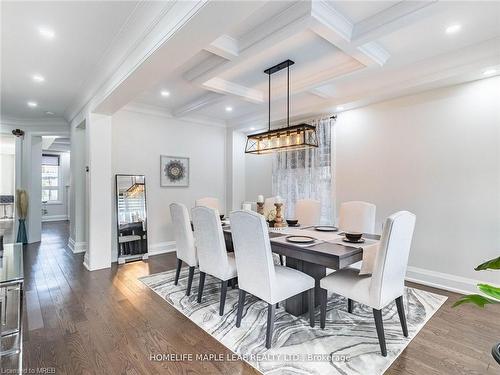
307	174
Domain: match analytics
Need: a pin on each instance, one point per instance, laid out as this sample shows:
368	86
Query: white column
18	177
77	240
99	191
235	169
31	181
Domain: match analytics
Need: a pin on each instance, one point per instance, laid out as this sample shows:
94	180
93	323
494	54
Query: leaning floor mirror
132	236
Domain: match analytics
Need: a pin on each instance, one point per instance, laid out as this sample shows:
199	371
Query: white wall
436	154
59	210
139	140
258	176
7	171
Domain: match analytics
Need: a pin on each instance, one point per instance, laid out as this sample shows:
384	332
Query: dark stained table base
299	304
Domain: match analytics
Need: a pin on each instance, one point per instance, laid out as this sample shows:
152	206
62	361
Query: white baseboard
54	218
161	248
452	283
77	247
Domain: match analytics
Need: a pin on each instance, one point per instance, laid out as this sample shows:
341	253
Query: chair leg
349	305
223	291
190	281
402	315
322	319
271	310
241	302
311	306
377	314
178	271
282	262
201	285
233	283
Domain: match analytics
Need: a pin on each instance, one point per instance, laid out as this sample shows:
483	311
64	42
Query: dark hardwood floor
108	322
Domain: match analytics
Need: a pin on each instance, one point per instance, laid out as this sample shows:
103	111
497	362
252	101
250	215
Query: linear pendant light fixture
295	137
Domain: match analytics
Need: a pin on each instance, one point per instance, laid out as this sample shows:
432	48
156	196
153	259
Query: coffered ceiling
346	53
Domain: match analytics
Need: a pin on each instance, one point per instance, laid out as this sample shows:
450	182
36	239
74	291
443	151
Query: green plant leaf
476	299
493	264
490	290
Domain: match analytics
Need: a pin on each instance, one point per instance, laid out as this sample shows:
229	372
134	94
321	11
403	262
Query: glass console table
11	279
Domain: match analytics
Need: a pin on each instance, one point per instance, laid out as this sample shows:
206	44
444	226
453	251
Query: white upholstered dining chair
386	283
208	202
213	257
184	242
258	275
308	212
357	216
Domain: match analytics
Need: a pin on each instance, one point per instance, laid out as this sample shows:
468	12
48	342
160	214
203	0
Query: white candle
247	207
260	198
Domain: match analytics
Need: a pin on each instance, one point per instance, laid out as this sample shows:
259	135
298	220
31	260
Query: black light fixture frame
307	132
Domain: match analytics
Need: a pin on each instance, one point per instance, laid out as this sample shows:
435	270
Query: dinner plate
361	240
300	239
326	228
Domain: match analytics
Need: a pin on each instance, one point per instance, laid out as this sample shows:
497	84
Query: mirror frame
139	256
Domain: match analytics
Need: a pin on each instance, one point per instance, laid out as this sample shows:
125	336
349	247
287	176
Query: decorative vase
260	208
495	352
21	233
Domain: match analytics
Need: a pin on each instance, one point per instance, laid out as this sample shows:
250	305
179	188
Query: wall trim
452	283
161	248
77	247
55	218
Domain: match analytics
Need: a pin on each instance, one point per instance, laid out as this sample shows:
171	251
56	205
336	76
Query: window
51	181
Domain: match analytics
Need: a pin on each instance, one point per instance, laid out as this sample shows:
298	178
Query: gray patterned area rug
347	345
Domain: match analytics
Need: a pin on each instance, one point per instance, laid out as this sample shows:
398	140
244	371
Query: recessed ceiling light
229	109
49	113
452	29
38	78
46	32
32	104
252	128
489	72
340	108
165	93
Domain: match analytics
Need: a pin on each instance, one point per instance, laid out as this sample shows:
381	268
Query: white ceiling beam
200	102
222	86
438	71
334	27
291	21
390	20
47	142
170	48
224	46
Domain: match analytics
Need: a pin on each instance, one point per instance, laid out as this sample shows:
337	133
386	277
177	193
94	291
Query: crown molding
33	122
172	16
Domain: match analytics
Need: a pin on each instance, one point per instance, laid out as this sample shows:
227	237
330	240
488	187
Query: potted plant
491	296
271	217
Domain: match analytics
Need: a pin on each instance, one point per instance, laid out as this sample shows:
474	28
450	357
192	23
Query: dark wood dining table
312	260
